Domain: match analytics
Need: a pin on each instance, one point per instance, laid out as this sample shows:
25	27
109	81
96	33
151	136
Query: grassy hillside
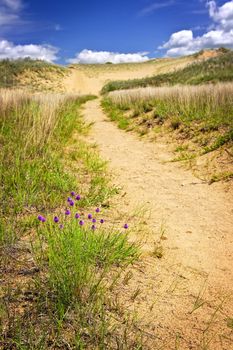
34	74
212	70
197	118
56	257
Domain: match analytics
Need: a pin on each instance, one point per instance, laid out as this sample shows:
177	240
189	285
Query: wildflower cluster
90	220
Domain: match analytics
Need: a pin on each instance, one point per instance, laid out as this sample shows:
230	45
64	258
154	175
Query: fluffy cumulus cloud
221	33
90	57
43	52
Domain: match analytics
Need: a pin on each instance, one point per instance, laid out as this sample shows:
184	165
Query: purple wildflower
97	210
61	226
55	219
78	197
81	222
71	203
93	220
102	221
41	218
72	193
77	216
89	216
126	226
69	199
67	212
93	227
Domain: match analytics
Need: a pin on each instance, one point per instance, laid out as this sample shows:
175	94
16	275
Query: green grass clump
116	114
220	141
78	262
79	258
216	69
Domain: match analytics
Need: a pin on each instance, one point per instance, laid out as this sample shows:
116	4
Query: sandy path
184	300
198	250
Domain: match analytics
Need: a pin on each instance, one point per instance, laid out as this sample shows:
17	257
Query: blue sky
118	31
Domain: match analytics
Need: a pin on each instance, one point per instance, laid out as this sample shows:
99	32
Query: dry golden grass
204	107
11	99
36	113
214	95
201	116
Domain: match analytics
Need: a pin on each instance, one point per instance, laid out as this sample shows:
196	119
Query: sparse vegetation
56	274
212	70
14	72
200	115
61	258
204	109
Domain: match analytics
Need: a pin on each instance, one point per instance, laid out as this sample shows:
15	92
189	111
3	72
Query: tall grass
205	102
33	129
198	109
59	273
78	257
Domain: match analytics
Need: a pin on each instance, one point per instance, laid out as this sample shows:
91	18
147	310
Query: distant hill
36	74
209	67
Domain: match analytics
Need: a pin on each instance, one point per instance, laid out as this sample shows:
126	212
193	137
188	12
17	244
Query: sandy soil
183	300
87	79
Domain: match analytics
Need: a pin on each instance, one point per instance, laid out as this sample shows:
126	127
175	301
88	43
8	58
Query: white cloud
90	57
220	34
43	52
179	39
223	15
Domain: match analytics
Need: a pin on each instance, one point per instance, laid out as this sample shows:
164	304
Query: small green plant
116	114
223	176
181	148
183	156
199	301
220	141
